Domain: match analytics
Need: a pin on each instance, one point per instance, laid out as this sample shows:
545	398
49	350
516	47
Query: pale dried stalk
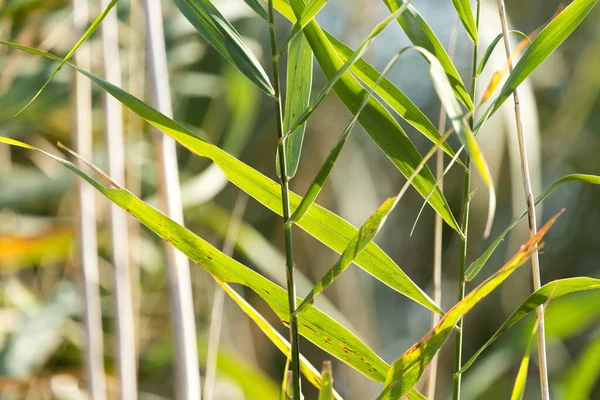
216	315
535	262
125	353
187	375
87	251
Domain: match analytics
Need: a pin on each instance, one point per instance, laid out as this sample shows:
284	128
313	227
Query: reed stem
113	131
457	380
287	228
88	247
187	372
535	262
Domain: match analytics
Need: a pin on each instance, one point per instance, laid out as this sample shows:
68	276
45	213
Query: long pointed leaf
315	325
478	264
377	121
217	31
325	226
463	9
420	34
258	9
521	379
541	47
408	368
583	375
492	46
547	292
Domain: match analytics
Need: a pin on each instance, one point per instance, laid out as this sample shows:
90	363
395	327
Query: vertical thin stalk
535	262
216	315
287	228
457	381
87	252
187	374
123	302
437	235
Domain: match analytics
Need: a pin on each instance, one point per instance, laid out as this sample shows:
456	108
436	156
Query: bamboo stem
535	262
187	375
457	380
87	251
125	328
216	316
287	228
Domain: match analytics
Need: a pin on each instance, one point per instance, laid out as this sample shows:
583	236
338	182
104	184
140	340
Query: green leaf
258	9
463	9
314	325
317	184
583	374
546	293
324	225
492	46
309	371
217	31
521	380
478	264
542	46
377	121
83	38
326	392
420	34
364	237
459	122
297	97
393	96
408	368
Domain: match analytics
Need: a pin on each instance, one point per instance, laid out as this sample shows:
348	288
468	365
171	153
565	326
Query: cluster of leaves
354	81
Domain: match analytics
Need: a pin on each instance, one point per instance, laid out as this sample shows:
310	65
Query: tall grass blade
217	31
408	368
258	9
490	49
421	34
582	376
521	379
463	9
549	291
297	97
326	392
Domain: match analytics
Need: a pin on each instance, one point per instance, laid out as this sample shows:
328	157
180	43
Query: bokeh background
41	329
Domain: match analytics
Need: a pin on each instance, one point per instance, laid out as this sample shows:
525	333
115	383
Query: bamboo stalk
87	249
216	316
457	379
113	131
287	228
187	375
535	262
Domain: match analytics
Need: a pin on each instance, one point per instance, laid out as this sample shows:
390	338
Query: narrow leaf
541	47
377	121
324	225
546	293
297	96
83	38
217	31
478	264
463	9
315	325
258	9
408	368
326	392
492	46
521	380
582	376
421	34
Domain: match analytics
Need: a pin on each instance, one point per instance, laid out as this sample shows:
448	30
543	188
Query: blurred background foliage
40	307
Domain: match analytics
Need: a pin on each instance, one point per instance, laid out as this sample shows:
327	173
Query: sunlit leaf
584	373
326	392
408	368
217	31
546	293
316	326
492	46
258	9
319	222
521	379
463	9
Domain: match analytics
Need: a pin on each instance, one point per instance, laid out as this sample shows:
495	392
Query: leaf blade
463	9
